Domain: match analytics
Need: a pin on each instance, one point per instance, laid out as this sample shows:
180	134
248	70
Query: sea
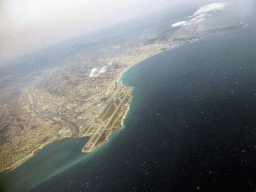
191	125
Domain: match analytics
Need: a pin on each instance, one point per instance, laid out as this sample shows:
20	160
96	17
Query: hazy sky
28	25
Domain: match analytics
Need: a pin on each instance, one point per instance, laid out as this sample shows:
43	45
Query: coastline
124	70
27	157
121	121
118	80
20	162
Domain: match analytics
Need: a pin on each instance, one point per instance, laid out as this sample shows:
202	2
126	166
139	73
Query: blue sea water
190	126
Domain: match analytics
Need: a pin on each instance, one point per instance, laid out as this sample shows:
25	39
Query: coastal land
229	27
81	99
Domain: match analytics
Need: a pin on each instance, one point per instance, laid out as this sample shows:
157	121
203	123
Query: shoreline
10	168
171	47
125	116
124	70
29	156
20	162
121	122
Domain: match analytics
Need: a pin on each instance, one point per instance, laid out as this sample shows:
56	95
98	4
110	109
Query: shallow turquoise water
49	161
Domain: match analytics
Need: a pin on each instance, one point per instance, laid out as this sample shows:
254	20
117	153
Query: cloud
93	71
199	20
209	8
103	69
181	23
200	14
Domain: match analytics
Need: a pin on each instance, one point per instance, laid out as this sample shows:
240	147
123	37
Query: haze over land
31	25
